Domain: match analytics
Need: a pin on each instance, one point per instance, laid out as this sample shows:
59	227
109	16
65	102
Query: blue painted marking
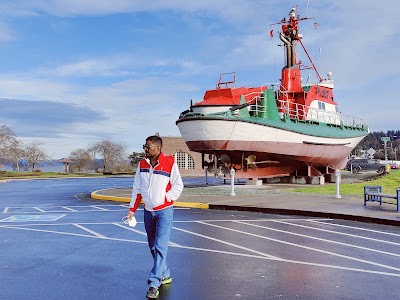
33	218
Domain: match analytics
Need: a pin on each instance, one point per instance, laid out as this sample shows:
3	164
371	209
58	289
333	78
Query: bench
374	194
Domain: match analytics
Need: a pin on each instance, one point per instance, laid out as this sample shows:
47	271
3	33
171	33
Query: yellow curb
192	205
110	198
94	195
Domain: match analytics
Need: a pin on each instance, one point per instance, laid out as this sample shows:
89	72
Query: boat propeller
226	161
221	165
251	162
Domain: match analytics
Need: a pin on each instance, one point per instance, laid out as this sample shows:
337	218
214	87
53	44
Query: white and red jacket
158	187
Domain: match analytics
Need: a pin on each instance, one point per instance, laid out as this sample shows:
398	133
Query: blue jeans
158	226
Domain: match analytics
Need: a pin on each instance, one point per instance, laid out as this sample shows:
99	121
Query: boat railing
255	106
303	113
300	112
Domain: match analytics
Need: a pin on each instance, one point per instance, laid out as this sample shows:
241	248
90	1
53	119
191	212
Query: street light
391	146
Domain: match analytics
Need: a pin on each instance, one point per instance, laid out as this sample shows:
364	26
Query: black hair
155	139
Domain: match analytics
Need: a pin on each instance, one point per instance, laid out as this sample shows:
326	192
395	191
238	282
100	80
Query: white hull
214	135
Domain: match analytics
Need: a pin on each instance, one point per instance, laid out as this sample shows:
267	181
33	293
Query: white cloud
92	67
6	33
141	91
20	87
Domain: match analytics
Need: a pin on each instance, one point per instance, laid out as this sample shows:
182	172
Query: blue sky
74	72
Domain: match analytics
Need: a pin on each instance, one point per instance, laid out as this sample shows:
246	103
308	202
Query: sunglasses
147	147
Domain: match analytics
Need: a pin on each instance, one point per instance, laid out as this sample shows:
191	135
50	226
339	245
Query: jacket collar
160	161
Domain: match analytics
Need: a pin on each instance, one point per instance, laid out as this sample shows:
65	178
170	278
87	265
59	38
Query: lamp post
232	173
337	180
391	146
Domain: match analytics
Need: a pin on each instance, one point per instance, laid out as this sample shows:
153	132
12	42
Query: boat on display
274	130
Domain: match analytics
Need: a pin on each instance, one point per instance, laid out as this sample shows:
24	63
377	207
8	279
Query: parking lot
81	249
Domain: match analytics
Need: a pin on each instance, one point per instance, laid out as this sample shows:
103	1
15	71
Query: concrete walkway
273	198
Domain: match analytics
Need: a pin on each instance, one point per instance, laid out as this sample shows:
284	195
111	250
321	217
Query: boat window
321	105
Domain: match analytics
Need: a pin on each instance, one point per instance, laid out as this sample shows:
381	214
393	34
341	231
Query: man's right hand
129	215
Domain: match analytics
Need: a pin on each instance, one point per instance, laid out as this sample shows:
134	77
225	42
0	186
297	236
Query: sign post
385	139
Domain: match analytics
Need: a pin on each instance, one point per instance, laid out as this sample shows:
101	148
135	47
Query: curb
94	195
281	211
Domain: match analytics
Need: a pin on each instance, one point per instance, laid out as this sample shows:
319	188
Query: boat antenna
320	61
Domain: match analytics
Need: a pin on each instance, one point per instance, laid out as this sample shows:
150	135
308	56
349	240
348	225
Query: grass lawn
389	182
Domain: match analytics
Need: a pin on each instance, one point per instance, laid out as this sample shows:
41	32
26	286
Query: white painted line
53	206
68	208
39	209
76	211
99	208
226	243
292	261
231	220
214	251
105	223
88	230
140	232
33	218
130	228
61	224
318	239
75	234
304	247
357	228
341	233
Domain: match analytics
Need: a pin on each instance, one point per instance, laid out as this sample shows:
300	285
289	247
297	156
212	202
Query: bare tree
83	160
35	154
14	152
7	136
112	153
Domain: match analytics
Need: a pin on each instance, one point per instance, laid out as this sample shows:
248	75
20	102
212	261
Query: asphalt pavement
272	198
59	244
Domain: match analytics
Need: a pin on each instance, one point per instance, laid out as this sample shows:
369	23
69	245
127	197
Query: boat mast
291	77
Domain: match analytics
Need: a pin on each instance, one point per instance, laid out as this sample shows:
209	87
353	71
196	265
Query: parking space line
130	229
74	234
68	208
304	247
341	233
99	208
39	209
258	255
88	230
32	218
226	243
352	227
48	231
292	261
317	238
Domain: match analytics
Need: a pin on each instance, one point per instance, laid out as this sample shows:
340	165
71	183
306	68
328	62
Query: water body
45	167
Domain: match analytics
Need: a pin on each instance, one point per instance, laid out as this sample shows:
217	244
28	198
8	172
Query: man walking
158	183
